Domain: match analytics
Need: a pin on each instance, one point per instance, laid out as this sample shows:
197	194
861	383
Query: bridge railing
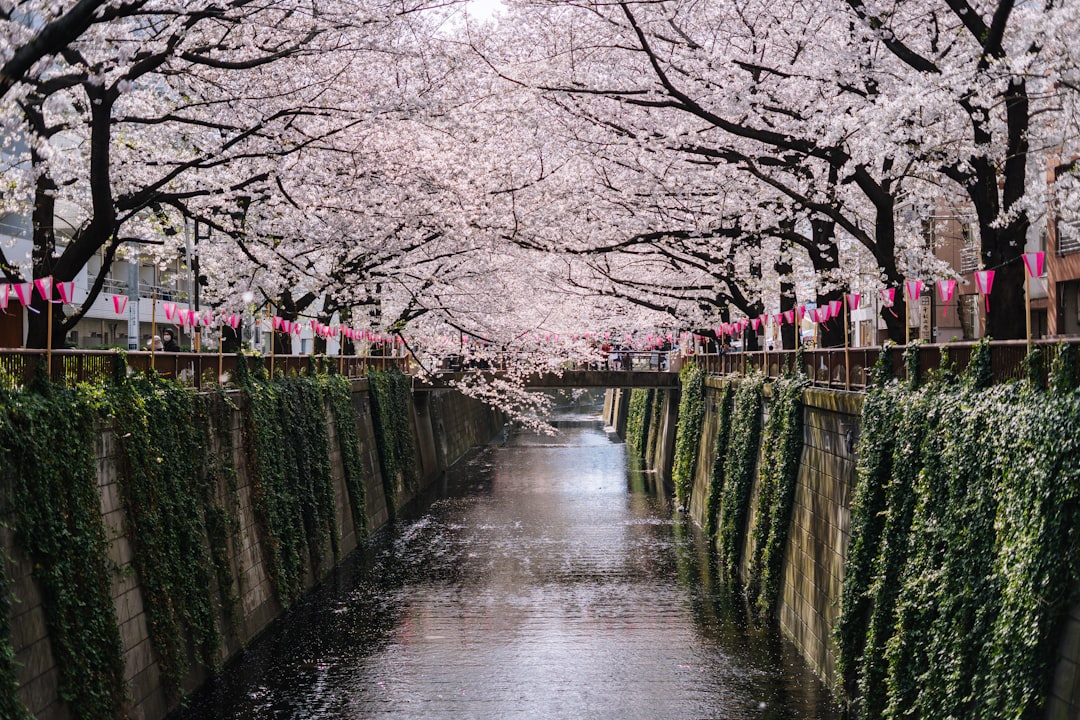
850	369
197	369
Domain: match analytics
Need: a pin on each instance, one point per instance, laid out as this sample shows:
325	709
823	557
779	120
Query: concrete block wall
1064	700
450	422
817	544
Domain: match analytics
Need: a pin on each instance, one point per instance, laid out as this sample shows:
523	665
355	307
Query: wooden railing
835	368
196	369
850	369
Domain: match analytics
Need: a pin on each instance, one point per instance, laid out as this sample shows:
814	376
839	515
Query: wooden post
272	343
48	331
907	319
153	326
220	350
847	353
1027	303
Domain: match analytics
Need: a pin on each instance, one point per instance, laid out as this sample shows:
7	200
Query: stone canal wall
444	425
809	603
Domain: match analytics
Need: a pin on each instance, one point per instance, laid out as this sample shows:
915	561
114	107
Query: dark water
546	580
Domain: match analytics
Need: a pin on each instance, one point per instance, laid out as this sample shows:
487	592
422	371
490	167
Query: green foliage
214	413
980	372
911	364
965	548
882	371
287	442
739	468
716	477
10	707
1033	366
688	430
391	408
639	415
1063	369
873	473
781	449
165	497
656	422
339	392
178	483
47	437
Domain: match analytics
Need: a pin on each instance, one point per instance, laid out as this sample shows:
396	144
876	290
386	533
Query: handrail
72	366
836	368
850	369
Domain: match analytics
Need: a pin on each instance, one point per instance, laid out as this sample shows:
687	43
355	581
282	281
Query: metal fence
195	369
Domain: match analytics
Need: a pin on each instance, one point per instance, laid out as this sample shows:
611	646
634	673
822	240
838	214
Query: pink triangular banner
984	280
66	291
914	289
119	303
1034	263
22	291
853	301
44	288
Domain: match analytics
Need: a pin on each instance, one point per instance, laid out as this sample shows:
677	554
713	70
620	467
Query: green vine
10	707
214	413
391	408
873	478
159	451
1063	369
639	414
688	430
781	450
286	436
739	468
339	392
716	477
655	423
47	437
965	548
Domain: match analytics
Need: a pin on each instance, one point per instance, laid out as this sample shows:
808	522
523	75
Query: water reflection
546	579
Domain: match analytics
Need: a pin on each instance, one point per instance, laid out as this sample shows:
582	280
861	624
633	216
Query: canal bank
950	441
249	546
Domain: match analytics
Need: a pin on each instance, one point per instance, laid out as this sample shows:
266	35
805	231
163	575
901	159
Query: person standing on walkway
168	339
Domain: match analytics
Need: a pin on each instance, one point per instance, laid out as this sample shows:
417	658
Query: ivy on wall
739	467
177	475
723	435
638	417
214	413
969	555
688	430
159	448
10	707
339	393
656	422
782	443
391	401
286	437
48	469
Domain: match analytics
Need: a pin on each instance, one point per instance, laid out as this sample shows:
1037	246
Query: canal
543	578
